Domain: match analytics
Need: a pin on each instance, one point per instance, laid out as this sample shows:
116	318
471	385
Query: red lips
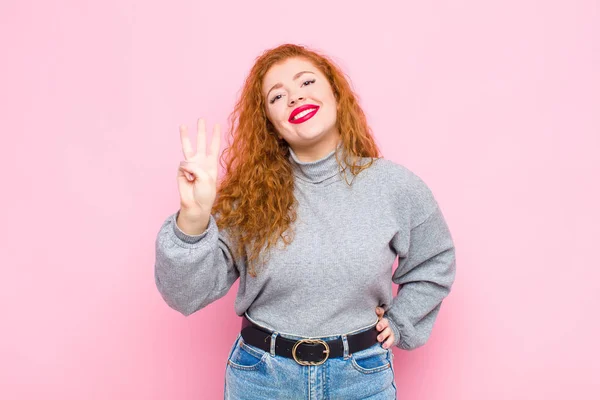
298	110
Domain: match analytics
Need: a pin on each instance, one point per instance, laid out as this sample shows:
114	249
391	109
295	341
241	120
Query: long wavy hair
255	198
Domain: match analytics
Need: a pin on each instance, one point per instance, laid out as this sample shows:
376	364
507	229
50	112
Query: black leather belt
306	351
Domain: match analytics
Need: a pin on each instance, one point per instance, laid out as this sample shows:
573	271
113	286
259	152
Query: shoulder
401	177
407	187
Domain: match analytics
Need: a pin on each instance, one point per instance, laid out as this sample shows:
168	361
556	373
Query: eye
274	99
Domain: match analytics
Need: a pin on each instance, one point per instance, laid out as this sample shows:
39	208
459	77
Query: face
301	105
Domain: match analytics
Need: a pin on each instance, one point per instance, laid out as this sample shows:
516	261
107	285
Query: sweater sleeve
425	274
192	271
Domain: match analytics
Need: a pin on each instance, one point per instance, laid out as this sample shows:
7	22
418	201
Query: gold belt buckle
302	362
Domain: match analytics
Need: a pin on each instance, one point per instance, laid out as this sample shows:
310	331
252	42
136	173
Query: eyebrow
278	85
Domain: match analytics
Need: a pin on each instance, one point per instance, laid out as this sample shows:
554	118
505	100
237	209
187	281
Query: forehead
285	71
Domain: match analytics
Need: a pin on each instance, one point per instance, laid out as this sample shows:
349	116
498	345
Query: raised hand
197	174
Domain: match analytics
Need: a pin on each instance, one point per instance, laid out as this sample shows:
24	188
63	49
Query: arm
425	274
192	271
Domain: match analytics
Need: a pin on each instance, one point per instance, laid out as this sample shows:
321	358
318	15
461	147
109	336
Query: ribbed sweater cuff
184	237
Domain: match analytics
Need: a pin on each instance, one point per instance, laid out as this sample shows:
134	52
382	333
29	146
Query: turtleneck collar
315	171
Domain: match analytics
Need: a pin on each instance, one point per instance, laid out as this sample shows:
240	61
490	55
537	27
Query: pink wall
496	105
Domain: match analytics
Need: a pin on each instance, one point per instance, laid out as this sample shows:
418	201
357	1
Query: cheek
332	111
278	116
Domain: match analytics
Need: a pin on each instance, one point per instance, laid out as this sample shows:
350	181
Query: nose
295	99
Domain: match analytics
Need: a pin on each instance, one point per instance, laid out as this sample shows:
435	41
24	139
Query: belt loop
346	349
273	338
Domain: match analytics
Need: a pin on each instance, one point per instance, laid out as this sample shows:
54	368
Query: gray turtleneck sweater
338	268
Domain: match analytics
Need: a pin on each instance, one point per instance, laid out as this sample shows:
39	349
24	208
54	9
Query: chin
312	134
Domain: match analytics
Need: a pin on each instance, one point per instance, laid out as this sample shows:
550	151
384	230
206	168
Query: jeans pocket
245	356
371	360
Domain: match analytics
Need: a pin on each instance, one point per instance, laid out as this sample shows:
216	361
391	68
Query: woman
311	219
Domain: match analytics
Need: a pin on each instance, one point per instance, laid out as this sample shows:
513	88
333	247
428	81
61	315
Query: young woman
310	219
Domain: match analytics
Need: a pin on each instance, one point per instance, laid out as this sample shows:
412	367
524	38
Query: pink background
494	104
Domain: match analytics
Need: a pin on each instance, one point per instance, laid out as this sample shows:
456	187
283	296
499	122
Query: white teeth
303	113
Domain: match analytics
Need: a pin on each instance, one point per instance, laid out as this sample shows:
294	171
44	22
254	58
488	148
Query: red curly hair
255	199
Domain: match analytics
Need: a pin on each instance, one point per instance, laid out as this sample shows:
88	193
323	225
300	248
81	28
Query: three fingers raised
186	144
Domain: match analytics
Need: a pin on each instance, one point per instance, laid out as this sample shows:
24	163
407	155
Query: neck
316	170
316	152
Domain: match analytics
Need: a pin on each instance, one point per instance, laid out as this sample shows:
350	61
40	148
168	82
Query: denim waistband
297	337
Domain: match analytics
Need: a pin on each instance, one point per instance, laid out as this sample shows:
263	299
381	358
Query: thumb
194	169
379	310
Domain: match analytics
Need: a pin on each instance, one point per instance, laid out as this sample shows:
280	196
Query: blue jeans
254	374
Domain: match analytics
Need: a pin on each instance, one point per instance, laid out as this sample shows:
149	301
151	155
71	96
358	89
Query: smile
302	114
